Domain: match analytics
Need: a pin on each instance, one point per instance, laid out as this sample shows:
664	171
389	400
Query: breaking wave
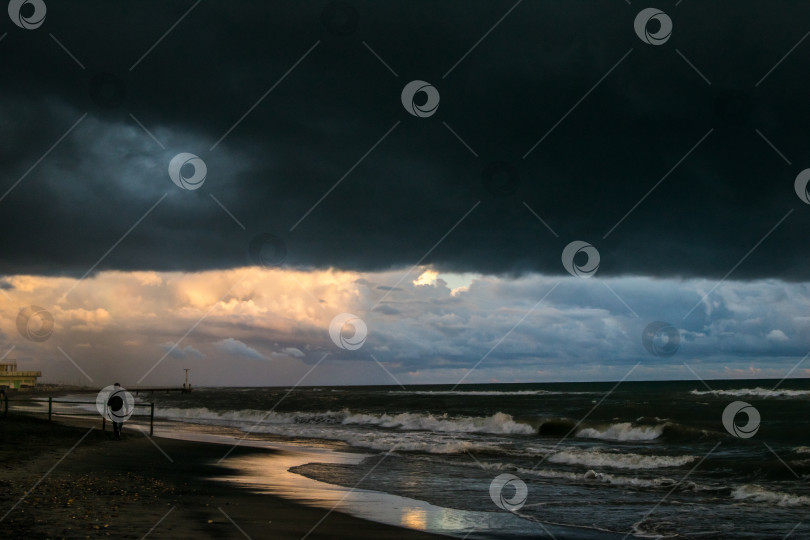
596	458
624	431
498	423
592	476
754	392
754	493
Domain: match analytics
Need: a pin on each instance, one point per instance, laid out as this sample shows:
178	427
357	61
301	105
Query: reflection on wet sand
271	474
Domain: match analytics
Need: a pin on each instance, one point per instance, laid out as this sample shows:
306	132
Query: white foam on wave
758	494
624	431
591	475
754	392
604	478
596	458
498	423
802	449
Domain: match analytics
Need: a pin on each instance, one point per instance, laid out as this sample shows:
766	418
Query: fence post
50	407
103	424
152	418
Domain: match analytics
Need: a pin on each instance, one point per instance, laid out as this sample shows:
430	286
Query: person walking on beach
114	404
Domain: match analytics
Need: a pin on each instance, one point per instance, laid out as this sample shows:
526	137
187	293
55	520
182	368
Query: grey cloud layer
318	122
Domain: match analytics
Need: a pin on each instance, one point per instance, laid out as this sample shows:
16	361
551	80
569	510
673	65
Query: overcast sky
555	123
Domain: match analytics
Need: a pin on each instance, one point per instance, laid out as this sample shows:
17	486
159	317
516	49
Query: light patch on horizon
742	373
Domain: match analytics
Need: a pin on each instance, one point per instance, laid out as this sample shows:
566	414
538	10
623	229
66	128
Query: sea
675	459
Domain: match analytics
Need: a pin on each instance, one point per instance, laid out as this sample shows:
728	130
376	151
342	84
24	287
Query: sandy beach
130	489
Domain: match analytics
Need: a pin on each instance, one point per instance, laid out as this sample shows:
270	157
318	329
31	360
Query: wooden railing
67	408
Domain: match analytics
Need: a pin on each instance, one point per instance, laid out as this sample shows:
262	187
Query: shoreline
130	488
428	462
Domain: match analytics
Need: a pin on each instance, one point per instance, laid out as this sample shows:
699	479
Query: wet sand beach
129	489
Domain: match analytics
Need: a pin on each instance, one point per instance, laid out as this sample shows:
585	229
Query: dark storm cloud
399	201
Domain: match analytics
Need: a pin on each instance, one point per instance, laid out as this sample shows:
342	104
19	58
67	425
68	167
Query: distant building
11	378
